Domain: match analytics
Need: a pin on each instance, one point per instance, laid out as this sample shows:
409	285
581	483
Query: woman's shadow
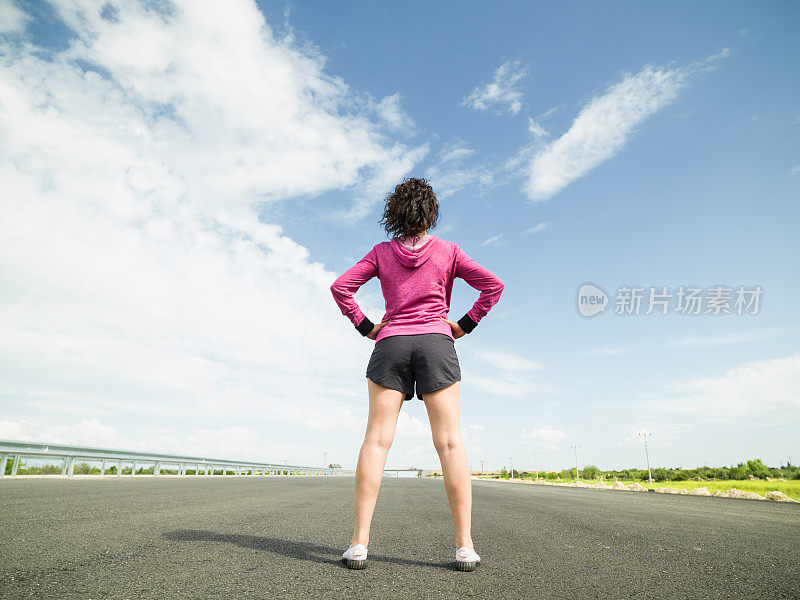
285	548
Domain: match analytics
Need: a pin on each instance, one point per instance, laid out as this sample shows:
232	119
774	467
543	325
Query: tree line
743	470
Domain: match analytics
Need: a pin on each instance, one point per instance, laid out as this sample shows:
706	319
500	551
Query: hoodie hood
413	251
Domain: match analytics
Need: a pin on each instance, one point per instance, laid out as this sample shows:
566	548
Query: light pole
576	463
647	454
511	458
536	462
482	466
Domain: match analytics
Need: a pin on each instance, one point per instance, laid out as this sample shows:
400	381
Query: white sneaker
355	557
467	559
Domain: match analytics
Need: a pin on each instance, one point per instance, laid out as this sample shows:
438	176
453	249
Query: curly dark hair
410	209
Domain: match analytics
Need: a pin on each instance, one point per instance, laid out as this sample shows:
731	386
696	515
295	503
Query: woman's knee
447	442
382	442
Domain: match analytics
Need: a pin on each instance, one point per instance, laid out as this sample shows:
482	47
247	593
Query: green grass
760	486
791	488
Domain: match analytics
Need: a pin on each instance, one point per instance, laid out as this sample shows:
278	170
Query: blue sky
180	190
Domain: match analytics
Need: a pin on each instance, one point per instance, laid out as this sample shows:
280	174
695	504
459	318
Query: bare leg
384	408
442	407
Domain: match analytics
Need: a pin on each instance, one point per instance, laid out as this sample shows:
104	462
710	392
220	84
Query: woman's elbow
336	289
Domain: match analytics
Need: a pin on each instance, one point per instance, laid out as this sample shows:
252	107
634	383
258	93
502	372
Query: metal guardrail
69	454
397	471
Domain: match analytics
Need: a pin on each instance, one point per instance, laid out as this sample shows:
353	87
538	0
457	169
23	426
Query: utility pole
536	462
482	466
647	454
511	458
576	462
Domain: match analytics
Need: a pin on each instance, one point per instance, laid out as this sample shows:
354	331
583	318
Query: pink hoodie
416	276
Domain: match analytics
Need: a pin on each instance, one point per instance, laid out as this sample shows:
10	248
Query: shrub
590	472
738	473
660	474
758	468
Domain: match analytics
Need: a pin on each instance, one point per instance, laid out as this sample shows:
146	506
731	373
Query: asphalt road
283	537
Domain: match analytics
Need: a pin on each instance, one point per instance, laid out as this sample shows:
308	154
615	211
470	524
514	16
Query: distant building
334	466
487	472
402	472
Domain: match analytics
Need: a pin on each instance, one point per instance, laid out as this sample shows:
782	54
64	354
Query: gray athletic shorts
429	359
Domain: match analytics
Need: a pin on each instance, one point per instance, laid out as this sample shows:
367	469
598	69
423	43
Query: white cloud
444	228
547	436
138	280
449	181
381	178
503	374
601	129
733	338
393	114
229	443
535	127
537	130
609	351
761	388
88	432
510	385
473	434
492	240
501	91
449	174
455	152
724	53
12	18
537	228
408	426
548	113
506	360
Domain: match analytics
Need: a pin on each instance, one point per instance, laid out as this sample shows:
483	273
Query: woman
414	343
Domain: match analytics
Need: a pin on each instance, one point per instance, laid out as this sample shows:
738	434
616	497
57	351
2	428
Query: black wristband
466	323
365	327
